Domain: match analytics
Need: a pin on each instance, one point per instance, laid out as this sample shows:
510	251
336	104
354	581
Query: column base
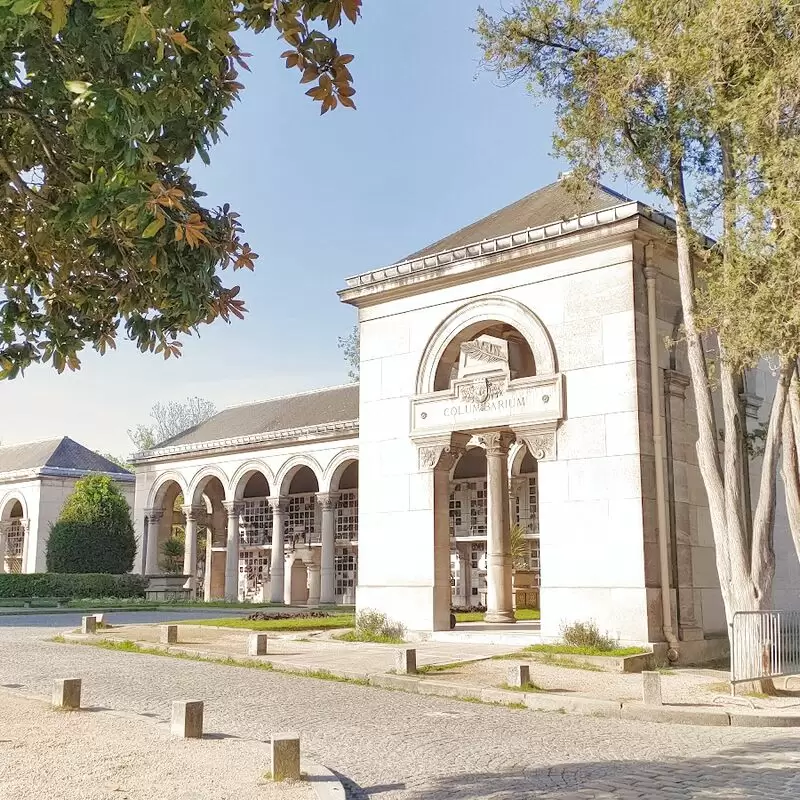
504	617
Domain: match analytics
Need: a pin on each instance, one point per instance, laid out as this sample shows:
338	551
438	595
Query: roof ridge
287	396
35	441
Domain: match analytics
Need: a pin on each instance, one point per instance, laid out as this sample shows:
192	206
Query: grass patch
367	636
571	650
521	614
303	624
526	687
568	663
58	639
428	668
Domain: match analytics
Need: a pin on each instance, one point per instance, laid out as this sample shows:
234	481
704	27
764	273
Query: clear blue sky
435	144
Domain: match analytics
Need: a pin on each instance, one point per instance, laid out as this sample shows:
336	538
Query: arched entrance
13	535
206	538
344	492
255	535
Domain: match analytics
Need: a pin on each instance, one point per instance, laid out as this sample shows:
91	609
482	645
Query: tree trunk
790	469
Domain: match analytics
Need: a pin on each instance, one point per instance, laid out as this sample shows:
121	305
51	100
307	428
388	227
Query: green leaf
153	228
77	87
25	6
58	9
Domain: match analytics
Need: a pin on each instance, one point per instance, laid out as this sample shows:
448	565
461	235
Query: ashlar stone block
169	634
285	749
519	675
406	661
187	719
257	644
651	688
89	624
67	692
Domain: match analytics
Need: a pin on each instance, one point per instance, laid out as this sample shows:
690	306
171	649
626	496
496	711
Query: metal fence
764	644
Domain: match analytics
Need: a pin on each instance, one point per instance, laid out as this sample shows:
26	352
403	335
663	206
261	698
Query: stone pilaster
150	544
192	515
233	509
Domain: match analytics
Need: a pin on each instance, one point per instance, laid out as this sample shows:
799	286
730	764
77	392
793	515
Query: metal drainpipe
650	273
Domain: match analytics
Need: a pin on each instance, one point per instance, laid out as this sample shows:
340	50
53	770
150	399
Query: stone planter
166	587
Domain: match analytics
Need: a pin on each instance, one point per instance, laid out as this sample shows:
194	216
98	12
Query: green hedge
73	586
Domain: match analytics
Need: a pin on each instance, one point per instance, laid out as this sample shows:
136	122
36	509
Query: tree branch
20	185
39	135
551	43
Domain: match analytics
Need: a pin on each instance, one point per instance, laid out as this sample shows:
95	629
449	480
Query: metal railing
764	644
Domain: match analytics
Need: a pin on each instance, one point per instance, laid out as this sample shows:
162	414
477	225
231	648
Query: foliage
586	650
102	105
74	586
172	551
170	419
520	614
371	623
301	624
94	532
586	635
519	547
699	102
350	346
120	462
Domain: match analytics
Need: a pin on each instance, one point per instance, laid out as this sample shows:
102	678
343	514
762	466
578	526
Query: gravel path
393	745
99	756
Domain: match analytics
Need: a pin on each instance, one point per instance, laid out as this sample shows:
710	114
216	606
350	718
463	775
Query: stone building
35	480
506	377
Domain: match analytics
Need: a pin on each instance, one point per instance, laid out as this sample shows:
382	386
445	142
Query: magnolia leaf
77	87
153	228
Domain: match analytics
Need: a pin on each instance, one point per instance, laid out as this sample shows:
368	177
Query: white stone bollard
100	619
651	689
88	624
257	644
67	693
285	757
169	634
519	675
406	661
187	719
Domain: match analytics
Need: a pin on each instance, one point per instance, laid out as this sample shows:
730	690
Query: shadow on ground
763	771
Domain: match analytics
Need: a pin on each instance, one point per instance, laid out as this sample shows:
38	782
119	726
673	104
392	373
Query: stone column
190	549
499	596
278	506
327	571
154	517
313	584
233	508
3	545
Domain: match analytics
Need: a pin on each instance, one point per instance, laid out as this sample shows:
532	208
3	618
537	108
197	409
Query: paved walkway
394	745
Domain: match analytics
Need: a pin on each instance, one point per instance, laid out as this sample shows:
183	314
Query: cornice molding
327	430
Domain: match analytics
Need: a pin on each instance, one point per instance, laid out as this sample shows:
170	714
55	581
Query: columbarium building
521	434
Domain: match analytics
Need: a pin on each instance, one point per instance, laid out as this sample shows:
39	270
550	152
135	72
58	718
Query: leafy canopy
94	532
170	419
102	105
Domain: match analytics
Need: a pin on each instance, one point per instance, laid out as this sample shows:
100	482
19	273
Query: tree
350	345
94	532
102	105
172	551
170	419
663	92
120	462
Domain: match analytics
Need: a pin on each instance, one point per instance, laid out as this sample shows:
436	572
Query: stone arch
291	466
7	505
200	480
156	497
245	472
499	309
334	470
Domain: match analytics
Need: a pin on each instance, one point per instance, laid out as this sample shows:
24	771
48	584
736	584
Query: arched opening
468	531
526	552
521	361
255	535
15	530
302	525
212	535
346	532
166	528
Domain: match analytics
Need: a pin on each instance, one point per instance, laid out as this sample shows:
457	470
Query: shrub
73	586
172	551
586	635
375	624
94	532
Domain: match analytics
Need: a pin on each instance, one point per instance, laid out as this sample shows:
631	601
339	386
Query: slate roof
551	203
56	454
320	407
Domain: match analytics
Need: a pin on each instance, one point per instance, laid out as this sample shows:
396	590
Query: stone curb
324	784
536	701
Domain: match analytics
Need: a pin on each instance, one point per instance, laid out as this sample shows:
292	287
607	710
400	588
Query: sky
435	144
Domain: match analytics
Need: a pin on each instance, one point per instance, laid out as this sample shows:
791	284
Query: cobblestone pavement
393	745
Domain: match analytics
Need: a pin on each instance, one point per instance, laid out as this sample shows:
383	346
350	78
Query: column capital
279	504
442	454
676	383
154	514
233	507
752	403
193	513
651	272
328	500
497	443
